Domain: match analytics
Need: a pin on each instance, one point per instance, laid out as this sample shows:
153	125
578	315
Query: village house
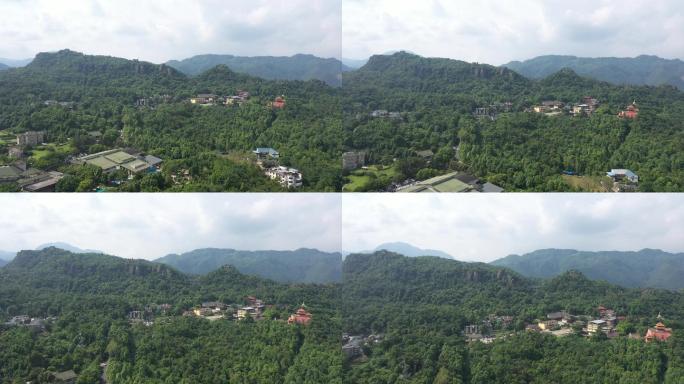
15	153
659	333
426	155
622	175
31	138
596	326
68	377
302	316
549	107
287	177
632	112
379	113
204	99
353	160
266	154
352	348
238	99
29	179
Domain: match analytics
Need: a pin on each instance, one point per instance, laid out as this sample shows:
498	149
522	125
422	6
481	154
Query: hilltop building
621	175
278	103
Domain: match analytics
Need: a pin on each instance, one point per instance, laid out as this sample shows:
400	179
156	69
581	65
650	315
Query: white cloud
172	29
498	31
151	225
486	227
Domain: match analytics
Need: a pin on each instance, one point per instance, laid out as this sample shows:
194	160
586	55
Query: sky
158	31
499	31
485	227
148	226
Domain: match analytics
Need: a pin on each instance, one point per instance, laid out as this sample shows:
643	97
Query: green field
589	183
7	138
360	178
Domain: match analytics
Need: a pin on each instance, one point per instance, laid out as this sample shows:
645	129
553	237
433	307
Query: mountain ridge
640	70
297	67
303	265
644	268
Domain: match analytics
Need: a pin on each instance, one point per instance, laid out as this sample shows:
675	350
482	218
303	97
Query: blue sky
158	31
148	226
485	227
499	31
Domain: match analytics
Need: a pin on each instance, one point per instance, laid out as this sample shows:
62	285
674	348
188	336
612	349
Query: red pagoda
632	112
659	333
302	316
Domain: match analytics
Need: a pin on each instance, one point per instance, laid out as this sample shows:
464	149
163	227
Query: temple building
632	112
659	333
302	316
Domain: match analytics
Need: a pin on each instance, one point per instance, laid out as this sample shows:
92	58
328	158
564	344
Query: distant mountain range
302	265
641	70
3	67
297	67
645	268
409	250
13	63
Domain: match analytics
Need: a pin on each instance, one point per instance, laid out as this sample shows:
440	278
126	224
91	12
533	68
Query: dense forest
86	299
144	106
421	306
646	268
436	100
301	265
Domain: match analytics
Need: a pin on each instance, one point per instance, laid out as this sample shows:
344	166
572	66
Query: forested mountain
411	250
146	107
297	67
420	307
436	101
645	268
641	70
91	296
302	265
3	262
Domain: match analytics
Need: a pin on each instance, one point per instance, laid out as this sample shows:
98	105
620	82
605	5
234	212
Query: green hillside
144	106
509	145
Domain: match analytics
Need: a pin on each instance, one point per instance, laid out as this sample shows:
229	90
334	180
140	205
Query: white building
287	177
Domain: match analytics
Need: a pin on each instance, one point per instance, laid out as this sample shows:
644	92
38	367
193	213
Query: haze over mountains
645	268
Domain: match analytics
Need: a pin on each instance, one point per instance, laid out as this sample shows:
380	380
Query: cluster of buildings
267	159
151	102
29	179
449	183
35	324
586	107
208	99
114	160
216	310
352	346
63	104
